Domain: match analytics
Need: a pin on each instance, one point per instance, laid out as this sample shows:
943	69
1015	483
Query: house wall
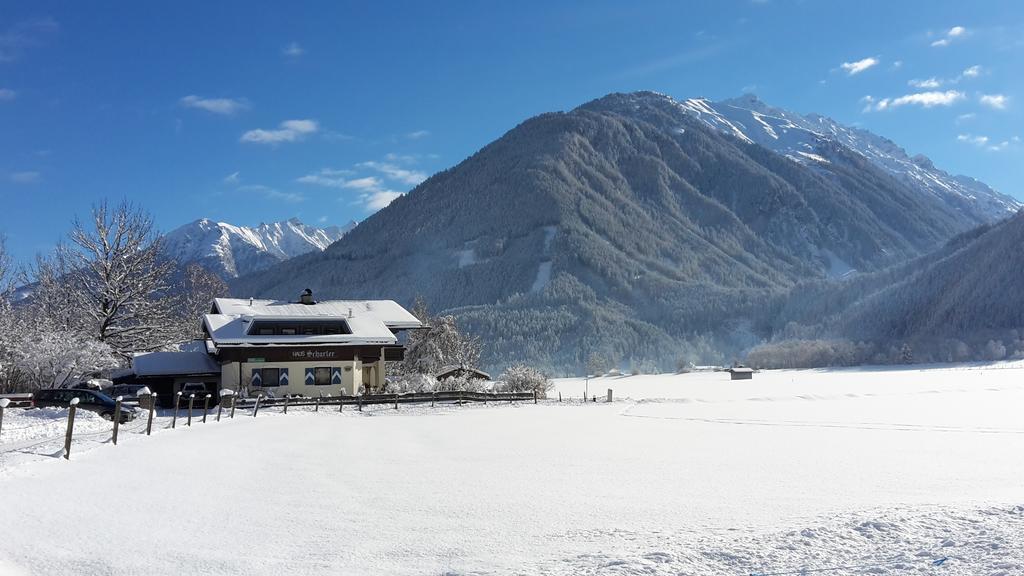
351	377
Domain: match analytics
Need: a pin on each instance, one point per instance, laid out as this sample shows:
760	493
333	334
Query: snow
888	470
162	363
543	277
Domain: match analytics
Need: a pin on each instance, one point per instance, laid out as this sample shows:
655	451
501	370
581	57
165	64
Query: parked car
87	400
130	392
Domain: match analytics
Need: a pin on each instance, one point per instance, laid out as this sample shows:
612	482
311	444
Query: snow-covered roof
166	363
367	321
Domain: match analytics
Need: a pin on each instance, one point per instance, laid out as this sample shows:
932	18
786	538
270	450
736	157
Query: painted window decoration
336	375
268	377
321	376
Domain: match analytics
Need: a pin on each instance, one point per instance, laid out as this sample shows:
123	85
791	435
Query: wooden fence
454	396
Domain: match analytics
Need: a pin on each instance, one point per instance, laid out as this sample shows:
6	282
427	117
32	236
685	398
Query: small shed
462	372
741	373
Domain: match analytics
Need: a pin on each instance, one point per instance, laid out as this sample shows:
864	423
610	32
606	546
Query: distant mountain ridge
808	138
231	251
635	228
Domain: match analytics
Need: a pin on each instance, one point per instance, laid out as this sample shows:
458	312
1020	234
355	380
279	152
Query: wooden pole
152	407
609	394
285	404
191	401
3	406
177	406
220	406
396	400
534	395
117	417
559	395
232	407
257	407
433	396
206	407
360	402
71	427
317	407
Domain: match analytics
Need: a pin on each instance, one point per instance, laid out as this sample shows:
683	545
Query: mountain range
230	250
645	229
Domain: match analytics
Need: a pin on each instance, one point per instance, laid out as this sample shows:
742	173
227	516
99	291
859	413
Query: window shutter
310	376
336	375
284	377
257	377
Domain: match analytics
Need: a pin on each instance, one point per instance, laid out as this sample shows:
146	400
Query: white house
305	347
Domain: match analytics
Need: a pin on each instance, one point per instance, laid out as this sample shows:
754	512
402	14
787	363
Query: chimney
306	297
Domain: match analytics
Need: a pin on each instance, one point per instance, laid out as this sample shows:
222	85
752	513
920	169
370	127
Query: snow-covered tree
196	291
51	357
117	280
522	378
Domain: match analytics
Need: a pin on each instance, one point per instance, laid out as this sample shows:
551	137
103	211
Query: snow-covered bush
522	378
411	382
460	383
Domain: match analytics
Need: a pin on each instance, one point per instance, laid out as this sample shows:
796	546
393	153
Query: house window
268	376
266	332
288	331
323	376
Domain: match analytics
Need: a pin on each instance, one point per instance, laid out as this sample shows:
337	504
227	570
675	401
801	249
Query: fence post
191	401
609	394
71	426
433	396
3	405
316	408
285	404
257	407
360	402
559	396
177	406
206	407
534	395
152	407
117	416
232	416
396	400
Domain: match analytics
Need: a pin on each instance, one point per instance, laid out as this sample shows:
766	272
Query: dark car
130	392
87	400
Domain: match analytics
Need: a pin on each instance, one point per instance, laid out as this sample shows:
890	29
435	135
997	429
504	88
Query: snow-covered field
864	471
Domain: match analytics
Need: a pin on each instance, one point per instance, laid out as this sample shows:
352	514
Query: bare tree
198	289
119	283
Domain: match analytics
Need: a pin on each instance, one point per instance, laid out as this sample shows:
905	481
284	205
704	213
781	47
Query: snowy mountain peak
232	251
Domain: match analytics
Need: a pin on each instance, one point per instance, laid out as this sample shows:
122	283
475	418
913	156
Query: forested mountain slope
626	227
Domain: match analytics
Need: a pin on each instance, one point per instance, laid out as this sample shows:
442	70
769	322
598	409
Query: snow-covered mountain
810	139
232	251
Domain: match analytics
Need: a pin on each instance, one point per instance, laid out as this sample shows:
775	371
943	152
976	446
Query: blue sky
248	111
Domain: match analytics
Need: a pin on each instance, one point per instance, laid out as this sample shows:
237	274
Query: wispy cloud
972	72
25	34
29	177
271	193
374	191
966	117
950	35
996	101
692	56
927	83
394	172
6	94
923	99
293	50
223	106
233	178
859	66
417	134
288	131
986	143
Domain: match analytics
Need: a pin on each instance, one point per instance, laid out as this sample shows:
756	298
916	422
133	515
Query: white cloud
403	175
30	177
950	35
293	50
965	117
926	83
7	94
381	199
972	72
224	106
997	101
272	193
976	140
288	131
416	135
859	66
330	178
233	178
923	99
